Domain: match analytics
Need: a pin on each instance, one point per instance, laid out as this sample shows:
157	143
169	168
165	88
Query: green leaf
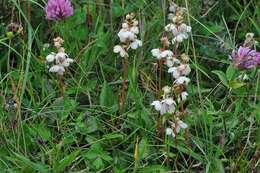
44	132
98	163
107	97
222	76
35	166
117	10
218	166
230	73
142	149
113	136
236	84
62	164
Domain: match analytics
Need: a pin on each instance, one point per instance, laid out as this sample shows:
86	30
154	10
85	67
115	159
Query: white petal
179	38
166	53
178	128
184	96
182	80
169	132
175	72
124	25
188	29
137	43
135	22
170	16
60	57
157	105
50	58
135	29
57	69
156	53
117	49
169	101
70	60
182	124
125	35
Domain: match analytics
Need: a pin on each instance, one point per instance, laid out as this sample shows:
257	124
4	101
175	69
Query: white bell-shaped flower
135	44
179	125
50	57
169	132
182	97
119	49
57	69
157	105
183	80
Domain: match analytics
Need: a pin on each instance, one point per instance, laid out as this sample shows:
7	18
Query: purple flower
58	9
245	58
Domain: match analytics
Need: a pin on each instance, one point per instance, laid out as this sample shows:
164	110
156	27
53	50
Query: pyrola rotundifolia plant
128	40
170	105
58	62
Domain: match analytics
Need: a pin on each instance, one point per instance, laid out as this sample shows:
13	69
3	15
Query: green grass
85	132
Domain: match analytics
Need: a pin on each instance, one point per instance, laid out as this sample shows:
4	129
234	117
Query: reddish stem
124	85
62	85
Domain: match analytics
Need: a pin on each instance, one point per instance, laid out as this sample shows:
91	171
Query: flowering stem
175	49
62	85
159	124
160	73
124	85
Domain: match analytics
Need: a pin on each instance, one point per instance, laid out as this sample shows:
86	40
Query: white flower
125	26
171	61
183	96
166	53
188	29
157	105
179	38
161	54
170	27
125	35
156	53
50	57
135	22
170	16
60	57
170	132
167	105
173	7
134	30
57	69
182	80
135	44
175	72
119	49
181	70
250	35
179	125
180	33
184	69
67	61
166	90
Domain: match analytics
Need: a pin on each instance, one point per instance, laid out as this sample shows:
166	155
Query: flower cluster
245	57
167	104
58	9
128	36
177	26
177	126
173	98
59	60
